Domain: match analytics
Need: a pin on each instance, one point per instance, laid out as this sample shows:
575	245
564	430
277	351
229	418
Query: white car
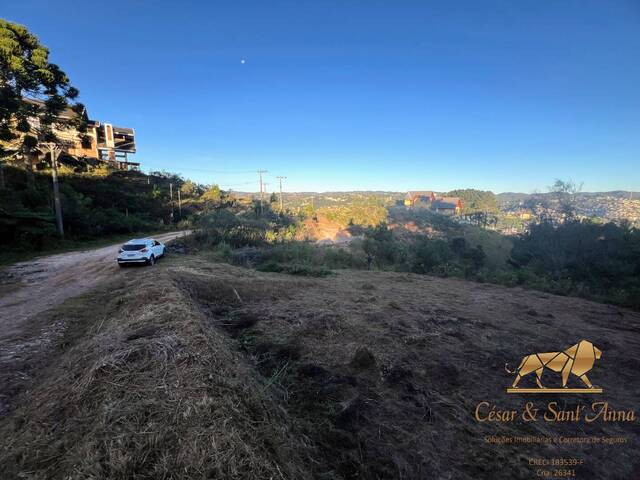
143	250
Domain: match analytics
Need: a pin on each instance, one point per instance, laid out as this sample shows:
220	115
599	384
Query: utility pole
179	205
260	172
54	151
2	184
171	196
280	180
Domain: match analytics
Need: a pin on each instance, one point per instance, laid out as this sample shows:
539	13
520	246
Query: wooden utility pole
280	180
2	184
171	196
30	176
54	151
260	172
179	205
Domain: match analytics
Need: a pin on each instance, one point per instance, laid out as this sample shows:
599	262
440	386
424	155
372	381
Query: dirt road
37	285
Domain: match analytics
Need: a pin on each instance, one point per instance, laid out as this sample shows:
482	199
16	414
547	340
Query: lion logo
578	360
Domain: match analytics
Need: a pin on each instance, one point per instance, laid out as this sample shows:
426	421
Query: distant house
101	141
431	200
411	199
524	214
447	205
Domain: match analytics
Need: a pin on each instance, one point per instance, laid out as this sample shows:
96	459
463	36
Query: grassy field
219	371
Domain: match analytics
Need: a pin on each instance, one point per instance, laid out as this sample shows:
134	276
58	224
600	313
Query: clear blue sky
345	95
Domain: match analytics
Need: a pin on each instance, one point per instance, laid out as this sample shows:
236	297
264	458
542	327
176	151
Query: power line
236	184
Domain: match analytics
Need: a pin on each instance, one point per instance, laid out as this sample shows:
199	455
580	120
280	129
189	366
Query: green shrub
431	255
244	229
583	258
307	253
337	257
386	251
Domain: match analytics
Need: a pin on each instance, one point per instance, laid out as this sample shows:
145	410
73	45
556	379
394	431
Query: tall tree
33	95
213	194
33	92
476	201
564	194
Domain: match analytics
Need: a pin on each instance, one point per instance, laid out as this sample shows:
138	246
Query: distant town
605	206
507	213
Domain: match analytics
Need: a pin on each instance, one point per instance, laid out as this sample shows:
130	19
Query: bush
306	253
429	254
380	245
294	252
244	229
581	258
336	257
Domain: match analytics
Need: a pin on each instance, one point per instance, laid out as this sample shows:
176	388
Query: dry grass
144	387
225	372
439	347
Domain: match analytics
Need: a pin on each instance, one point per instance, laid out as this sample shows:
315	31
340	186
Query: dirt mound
143	386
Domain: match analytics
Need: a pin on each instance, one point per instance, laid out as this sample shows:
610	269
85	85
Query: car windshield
132	247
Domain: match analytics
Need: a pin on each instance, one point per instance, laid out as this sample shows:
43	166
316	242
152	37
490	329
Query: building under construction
101	141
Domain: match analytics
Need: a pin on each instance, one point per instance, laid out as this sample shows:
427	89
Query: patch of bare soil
29	288
326	232
223	372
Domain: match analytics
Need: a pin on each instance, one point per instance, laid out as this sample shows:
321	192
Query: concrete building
102	141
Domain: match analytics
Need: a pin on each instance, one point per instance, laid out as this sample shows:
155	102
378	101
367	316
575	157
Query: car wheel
151	260
121	265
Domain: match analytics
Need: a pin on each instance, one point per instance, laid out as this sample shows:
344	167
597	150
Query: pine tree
26	75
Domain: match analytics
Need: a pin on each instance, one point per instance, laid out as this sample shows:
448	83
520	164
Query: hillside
225	372
97	204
